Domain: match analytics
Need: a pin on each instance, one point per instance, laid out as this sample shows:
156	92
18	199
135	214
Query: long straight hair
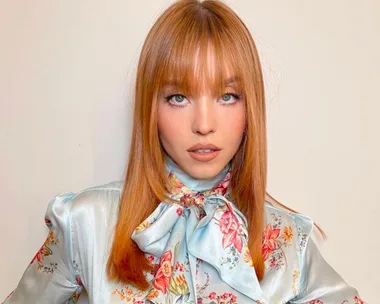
182	34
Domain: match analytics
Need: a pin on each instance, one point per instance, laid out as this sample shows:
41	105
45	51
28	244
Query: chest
279	286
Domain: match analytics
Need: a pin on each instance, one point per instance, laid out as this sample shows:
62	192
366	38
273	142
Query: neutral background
66	79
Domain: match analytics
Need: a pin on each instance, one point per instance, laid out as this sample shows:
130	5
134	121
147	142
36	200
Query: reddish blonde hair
186	28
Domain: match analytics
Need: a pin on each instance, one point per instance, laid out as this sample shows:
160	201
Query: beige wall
66	71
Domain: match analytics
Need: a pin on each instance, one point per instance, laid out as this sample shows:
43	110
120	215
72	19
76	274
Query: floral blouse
198	246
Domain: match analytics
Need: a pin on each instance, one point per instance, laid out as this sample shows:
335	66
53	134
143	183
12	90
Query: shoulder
97	197
85	204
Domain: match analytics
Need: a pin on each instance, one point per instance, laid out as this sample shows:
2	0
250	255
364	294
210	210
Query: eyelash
236	96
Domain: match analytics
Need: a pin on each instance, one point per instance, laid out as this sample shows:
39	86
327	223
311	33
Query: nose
204	119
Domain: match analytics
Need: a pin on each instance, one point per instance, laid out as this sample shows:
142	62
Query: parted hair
185	29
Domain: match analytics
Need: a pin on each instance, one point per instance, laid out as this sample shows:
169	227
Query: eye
176	100
230	98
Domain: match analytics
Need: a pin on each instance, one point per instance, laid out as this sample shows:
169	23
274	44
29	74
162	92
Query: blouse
201	254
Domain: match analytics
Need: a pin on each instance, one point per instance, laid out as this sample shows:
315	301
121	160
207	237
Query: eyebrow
227	81
232	80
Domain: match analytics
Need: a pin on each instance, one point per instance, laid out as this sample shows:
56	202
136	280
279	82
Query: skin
184	121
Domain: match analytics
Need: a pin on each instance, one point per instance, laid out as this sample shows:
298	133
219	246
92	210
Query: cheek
169	126
233	124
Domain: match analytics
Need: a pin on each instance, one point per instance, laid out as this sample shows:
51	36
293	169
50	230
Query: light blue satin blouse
202	257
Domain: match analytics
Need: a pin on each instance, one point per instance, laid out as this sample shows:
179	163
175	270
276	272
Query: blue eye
178	100
228	95
227	98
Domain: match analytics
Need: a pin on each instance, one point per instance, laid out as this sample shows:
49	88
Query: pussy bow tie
201	227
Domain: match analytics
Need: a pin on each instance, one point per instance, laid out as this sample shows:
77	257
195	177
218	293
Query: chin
204	170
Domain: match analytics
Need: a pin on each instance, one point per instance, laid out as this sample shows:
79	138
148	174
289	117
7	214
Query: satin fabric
199	247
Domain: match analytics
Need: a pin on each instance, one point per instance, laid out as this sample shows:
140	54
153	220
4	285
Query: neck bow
200	248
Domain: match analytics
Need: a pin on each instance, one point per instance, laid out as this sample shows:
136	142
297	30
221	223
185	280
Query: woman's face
185	121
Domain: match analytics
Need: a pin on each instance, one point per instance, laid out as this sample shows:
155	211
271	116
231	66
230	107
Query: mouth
204	148
204	152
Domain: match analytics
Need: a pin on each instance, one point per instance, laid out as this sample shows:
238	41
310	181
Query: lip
206	156
203	146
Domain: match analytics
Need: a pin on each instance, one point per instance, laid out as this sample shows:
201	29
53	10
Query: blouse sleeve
51	275
320	283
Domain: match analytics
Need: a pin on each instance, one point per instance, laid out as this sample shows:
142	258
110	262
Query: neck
190	182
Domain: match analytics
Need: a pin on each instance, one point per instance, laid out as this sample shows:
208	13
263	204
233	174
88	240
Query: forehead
202	69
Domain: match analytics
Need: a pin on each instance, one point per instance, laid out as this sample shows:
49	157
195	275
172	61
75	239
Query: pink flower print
150	258
273	262
317	301
231	230
48	222
358	300
79	281
180	267
225	296
39	256
212	295
269	240
179	211
222	187
164	272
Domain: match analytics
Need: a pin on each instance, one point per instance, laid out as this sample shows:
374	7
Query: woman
191	222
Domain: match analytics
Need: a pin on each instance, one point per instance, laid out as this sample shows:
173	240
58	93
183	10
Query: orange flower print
39	256
45	251
152	294
174	185
145	224
164	272
178	285
295	275
247	256
287	234
269	240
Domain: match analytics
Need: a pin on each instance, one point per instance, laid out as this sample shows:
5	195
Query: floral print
178	285
269	240
357	300
247	256
163	275
45	251
142	226
224	298
302	237
127	294
232	231
203	257
187	197
295	277
204	297
275	239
